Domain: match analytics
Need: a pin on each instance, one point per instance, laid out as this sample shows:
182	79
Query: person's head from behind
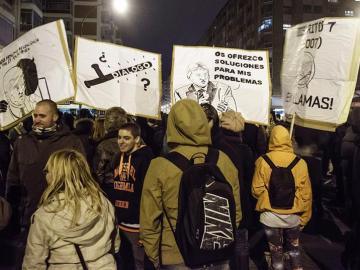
115	117
68	173
187	124
198	74
355	120
129	138
99	129
45	114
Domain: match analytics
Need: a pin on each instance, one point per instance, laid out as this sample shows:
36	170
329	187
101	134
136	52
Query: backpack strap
273	166
212	155
268	161
178	160
81	257
293	163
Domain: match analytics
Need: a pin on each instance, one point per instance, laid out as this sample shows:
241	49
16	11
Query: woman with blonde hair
74	226
99	129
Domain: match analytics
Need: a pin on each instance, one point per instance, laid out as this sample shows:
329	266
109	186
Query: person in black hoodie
225	136
129	167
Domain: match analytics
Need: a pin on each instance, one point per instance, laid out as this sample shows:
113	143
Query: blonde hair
69	174
99	129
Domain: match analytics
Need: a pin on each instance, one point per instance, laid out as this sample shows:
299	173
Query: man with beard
25	179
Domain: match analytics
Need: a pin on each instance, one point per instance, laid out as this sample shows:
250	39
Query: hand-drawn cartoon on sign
319	72
307	71
34	67
22	89
110	75
205	91
228	79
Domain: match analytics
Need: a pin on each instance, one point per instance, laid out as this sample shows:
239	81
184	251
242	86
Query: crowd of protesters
89	192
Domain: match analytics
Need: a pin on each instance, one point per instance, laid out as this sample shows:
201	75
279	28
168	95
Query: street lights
120	6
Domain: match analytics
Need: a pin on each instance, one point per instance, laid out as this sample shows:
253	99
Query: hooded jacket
189	133
282	154
52	237
129	174
26	168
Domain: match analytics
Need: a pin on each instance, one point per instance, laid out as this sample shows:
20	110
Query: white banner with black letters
34	67
319	71
228	79
110	75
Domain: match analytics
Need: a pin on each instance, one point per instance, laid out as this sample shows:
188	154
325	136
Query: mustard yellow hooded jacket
188	131
281	153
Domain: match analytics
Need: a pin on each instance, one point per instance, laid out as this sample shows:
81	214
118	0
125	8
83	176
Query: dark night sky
157	25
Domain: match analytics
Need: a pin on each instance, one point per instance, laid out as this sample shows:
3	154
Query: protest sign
34	67
110	75
319	71
229	79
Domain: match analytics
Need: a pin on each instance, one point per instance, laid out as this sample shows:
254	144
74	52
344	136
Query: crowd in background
97	138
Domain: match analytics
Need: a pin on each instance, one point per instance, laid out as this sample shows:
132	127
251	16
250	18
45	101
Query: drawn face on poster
14	87
21	89
203	90
198	74
307	71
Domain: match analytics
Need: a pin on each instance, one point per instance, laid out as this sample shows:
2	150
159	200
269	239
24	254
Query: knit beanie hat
232	121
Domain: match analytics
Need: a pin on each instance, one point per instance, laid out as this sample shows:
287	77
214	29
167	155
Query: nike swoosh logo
209	185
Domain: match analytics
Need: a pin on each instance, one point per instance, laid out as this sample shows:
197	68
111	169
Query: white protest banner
319	71
109	75
34	67
229	79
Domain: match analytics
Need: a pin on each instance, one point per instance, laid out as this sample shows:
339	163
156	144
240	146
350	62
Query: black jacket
5	153
25	174
129	173
242	157
105	150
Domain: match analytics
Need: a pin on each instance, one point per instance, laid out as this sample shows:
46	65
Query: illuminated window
333	1
286	26
349	13
266	24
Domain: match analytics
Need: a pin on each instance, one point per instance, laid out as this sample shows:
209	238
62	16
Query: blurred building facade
93	19
261	24
7	22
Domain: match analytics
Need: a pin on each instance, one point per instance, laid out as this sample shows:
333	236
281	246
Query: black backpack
281	185
206	221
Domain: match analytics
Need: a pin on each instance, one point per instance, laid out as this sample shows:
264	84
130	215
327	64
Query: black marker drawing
102	58
304	77
203	90
307	71
118	73
22	89
146	83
